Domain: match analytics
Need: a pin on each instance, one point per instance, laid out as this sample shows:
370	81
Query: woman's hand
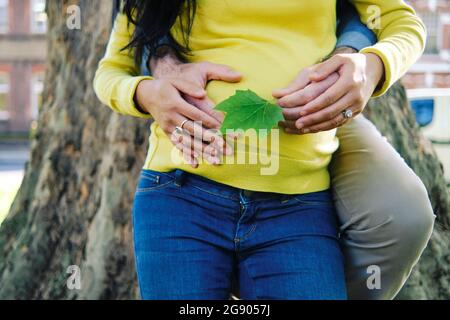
162	99
195	75
178	99
316	100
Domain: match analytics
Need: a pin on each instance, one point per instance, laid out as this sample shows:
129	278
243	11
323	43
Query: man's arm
352	36
351	32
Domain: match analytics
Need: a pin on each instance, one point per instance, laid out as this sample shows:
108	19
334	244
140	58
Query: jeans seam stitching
136	257
140	190
312	202
153	179
212	193
245	236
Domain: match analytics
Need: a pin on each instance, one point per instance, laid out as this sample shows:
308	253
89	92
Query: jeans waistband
181	177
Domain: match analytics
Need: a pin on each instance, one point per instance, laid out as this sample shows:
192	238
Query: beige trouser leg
384	211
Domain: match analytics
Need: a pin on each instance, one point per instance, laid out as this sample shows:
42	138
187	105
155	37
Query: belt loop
180	176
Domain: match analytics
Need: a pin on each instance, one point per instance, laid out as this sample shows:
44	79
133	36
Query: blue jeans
194	238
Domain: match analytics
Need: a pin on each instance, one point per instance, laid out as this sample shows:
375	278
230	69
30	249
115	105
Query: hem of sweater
310	182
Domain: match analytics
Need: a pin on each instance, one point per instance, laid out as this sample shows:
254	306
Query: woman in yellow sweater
196	224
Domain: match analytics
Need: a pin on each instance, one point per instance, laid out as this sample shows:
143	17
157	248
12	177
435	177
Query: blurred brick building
23	53
22	62
433	69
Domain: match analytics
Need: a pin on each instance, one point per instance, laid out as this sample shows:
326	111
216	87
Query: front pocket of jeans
150	182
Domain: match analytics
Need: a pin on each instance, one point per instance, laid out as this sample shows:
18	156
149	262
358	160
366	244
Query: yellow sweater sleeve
401	35
117	76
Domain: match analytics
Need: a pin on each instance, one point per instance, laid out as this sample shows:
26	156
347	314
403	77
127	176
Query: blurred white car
432	109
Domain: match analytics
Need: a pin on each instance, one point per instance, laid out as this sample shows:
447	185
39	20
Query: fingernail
300	125
306	131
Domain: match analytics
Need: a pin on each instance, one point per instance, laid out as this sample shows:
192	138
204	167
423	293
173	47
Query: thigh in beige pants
385	215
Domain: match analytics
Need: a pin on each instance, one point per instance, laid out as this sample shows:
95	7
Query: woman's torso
269	43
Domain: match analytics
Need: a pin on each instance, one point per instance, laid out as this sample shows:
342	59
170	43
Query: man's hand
191	75
315	101
199	74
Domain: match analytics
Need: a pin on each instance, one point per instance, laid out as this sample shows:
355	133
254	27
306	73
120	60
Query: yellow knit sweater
269	42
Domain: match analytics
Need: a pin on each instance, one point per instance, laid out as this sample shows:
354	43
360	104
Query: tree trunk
74	205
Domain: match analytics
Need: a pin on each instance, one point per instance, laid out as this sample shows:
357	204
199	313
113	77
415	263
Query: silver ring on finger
347	113
183	123
179	131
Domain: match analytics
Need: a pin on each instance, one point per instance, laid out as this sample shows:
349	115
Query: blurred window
38	16
4	93
424	111
37	87
431	20
4	16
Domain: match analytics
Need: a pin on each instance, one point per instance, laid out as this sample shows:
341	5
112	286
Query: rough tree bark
74	205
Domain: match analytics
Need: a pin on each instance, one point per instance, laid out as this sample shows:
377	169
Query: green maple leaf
246	110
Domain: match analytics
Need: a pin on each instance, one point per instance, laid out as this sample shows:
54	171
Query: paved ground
13	156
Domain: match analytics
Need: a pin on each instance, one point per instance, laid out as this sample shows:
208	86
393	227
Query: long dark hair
154	19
